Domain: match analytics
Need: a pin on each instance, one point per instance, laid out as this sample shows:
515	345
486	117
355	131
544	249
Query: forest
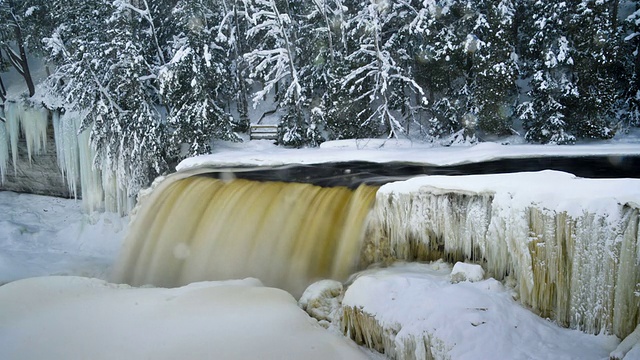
156	80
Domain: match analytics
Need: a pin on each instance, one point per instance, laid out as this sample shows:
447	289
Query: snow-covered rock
466	272
629	348
570	244
322	301
412	311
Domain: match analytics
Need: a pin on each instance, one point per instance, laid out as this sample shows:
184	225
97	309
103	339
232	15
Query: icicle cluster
98	187
76	161
580	268
31	122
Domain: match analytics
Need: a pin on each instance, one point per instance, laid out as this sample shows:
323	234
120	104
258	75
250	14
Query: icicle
580	269
34	127
90	178
13	113
4	151
66	137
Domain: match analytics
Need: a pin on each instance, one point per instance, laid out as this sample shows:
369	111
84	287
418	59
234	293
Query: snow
41	236
549	189
568	243
419	308
264	153
80	318
466	272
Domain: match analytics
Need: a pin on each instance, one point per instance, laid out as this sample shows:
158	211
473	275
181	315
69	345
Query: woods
157	80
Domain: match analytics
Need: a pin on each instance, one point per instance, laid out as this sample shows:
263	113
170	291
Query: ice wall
96	185
569	245
4	148
20	119
286	234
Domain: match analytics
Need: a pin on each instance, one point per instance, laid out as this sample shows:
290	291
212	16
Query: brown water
286	234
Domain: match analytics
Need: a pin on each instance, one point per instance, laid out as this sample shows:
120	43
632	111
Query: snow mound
454	321
322	301
466	272
81	318
629	348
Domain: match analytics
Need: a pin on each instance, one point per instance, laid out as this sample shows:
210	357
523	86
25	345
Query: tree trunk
19	60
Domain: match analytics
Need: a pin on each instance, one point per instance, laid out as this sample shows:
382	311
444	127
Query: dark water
354	173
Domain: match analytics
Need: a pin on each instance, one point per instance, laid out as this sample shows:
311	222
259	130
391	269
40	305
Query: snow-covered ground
72	317
264	153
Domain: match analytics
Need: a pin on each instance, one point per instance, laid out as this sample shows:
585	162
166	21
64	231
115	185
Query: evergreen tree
15	36
108	54
549	60
598	68
495	68
376	71
441	30
196	82
275	63
232	34
631	95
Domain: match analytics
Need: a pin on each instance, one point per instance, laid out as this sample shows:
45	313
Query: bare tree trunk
19	59
3	91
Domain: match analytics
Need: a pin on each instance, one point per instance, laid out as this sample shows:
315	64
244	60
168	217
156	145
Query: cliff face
41	175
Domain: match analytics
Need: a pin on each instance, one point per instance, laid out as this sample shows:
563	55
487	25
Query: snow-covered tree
196	81
376	66
274	62
232	33
15	35
108	57
549	60
631	95
441	30
495	67
598	68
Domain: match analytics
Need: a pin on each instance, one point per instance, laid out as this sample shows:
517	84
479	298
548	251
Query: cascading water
286	234
569	250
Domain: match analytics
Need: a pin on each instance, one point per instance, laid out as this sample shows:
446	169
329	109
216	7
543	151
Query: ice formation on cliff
570	244
96	185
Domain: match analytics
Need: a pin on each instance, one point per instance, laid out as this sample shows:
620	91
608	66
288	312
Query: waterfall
286	234
570	251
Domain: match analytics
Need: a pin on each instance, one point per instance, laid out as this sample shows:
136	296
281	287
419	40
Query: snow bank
41	235
412	311
263	153
570	244
322	301
466	272
80	318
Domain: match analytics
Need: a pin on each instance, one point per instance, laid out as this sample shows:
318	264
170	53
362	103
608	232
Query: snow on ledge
264	153
549	189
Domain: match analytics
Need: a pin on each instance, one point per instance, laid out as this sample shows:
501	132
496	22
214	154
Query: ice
413	311
65	130
322	300
570	244
630	343
4	151
13	113
34	121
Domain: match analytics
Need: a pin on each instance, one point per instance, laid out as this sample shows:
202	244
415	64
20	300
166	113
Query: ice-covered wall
34	154
568	245
31	162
